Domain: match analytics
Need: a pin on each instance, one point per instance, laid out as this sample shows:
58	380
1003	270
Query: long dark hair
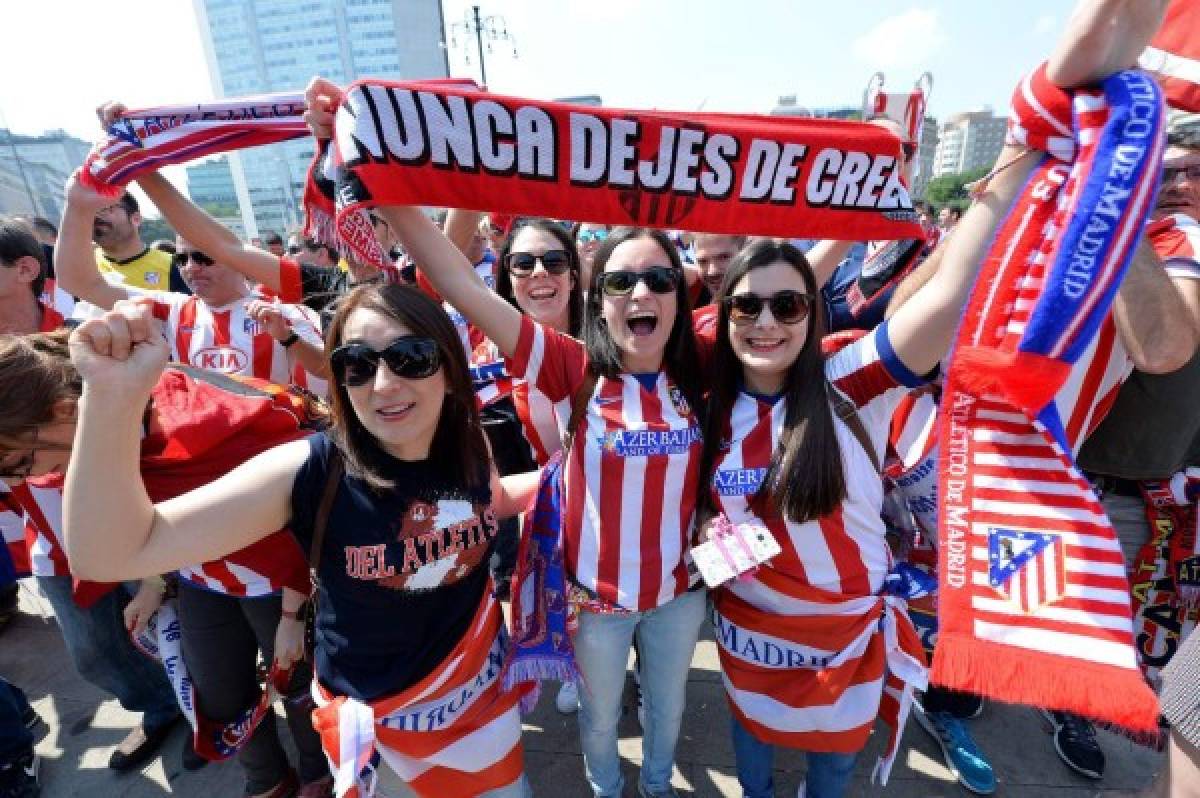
805	479
504	285
680	358
459	441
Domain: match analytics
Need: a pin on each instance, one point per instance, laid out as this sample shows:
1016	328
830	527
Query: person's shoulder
155	257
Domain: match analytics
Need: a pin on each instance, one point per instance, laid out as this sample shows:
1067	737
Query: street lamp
492	27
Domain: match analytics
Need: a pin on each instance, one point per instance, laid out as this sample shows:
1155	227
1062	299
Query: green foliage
948	189
153	229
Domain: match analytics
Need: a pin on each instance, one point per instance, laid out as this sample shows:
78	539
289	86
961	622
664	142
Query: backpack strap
848	413
579	403
333	479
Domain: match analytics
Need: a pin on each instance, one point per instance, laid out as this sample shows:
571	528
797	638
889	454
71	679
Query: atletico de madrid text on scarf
449	145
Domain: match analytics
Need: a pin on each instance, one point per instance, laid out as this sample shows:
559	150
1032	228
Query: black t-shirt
402	573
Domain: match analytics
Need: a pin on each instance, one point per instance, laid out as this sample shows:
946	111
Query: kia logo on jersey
225	359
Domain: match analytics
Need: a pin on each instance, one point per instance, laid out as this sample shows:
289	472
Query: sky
61	58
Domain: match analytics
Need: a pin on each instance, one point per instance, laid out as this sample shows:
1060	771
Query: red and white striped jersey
536	412
228	341
630	483
40	501
12	531
807	642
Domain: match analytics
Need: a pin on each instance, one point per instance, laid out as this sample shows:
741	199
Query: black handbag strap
848	413
579	403
333	479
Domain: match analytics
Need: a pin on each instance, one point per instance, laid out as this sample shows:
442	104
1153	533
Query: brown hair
805	479
459	432
35	373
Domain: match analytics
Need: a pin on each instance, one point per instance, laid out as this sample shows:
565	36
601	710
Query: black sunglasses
412	357
909	148
787	307
521	264
659	279
181	258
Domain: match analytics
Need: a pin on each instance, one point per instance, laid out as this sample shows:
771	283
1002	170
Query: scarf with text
212	740
541	643
146	140
452	146
1034	599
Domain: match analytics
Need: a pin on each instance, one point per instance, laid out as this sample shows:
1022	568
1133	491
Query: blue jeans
104	655
15	740
827	776
666	638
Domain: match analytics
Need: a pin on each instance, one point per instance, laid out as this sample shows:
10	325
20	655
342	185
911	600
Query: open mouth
764	345
642	322
395	412
543	292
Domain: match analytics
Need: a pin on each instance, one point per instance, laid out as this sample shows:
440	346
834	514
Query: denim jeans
827	775
666	638
103	654
518	789
15	740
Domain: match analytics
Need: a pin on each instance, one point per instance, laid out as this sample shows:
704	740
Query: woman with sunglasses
791	449
411	508
588	237
629	480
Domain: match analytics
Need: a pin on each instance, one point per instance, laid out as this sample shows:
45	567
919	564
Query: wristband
301	613
291	339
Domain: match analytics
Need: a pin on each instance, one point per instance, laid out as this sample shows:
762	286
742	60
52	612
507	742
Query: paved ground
83	728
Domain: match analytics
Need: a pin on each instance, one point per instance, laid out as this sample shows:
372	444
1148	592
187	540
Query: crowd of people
242	473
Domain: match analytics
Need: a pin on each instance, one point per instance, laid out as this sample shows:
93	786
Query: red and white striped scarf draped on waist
455	734
816	672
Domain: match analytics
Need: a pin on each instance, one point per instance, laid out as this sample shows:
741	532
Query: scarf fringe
1027	381
998	672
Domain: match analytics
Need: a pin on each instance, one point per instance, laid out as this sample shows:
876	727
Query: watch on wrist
291	339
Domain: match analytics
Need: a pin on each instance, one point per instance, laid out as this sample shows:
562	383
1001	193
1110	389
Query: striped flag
1174	55
1033	599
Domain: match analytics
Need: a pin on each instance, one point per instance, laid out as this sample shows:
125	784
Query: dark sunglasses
181	258
22	468
659	279
588	236
521	264
909	148
787	307
412	357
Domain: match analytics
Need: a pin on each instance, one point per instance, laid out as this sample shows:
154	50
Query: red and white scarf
1034	600
148	139
449	145
454	734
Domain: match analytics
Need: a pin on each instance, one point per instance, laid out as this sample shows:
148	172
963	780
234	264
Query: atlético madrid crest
1027	568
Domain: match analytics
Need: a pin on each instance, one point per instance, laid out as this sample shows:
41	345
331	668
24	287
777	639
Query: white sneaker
567	700
800	790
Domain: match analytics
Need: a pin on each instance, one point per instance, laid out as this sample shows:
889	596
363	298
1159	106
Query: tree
949	189
154	228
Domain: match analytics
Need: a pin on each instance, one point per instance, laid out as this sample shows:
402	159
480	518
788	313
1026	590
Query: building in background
34	169
969	140
926	156
210	185
260	46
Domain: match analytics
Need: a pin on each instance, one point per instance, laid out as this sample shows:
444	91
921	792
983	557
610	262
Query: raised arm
210	236
74	258
1157	316
1103	37
825	257
921	329
113	531
442	263
198	228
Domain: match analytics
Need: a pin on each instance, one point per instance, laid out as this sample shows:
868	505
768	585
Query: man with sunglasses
226	327
120	249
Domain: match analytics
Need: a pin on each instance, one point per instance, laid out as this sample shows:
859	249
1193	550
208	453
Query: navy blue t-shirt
402	573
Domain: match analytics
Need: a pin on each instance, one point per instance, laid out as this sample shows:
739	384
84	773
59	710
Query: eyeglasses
23	467
787	307
1172	173
554	261
909	148
200	258
588	236
412	357
659	279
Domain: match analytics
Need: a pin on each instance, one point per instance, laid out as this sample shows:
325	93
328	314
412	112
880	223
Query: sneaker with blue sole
962	755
